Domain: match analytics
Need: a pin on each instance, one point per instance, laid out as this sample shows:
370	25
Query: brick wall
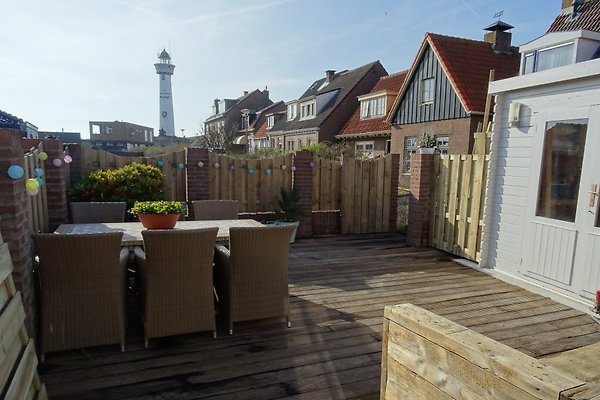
197	176
420	199
303	177
14	225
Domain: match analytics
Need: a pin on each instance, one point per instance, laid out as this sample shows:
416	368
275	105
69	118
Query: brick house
119	136
234	116
445	91
263	122
367	129
324	108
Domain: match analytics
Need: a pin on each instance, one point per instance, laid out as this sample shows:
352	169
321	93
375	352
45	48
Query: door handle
593	195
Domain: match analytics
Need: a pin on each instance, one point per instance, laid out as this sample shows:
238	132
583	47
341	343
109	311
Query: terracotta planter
158	221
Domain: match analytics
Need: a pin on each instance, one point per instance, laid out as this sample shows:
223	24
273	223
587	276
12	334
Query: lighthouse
164	69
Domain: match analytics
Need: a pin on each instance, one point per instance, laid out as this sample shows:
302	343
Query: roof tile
588	17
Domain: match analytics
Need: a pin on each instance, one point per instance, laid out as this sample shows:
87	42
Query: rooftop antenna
498	14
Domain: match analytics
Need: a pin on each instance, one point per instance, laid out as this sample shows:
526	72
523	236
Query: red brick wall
14	224
419	207
394	193
303	181
459	131
197	176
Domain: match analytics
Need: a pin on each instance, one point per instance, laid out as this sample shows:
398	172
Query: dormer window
307	110
547	58
292	111
371	108
270	121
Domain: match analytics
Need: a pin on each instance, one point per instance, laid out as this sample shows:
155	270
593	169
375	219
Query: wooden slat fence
254	183
326	184
365	194
37	206
19	378
457	212
175	177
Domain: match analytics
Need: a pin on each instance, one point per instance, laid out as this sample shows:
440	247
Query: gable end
445	105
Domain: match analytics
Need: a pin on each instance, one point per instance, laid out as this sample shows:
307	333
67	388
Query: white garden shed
542	216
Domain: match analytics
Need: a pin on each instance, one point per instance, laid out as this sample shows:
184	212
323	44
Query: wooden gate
175	176
366	195
457	214
326	184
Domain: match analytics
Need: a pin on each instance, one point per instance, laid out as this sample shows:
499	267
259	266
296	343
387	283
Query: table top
132	231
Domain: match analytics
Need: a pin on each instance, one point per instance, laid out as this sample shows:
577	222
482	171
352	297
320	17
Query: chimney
216	107
245	92
498	37
266	92
329	75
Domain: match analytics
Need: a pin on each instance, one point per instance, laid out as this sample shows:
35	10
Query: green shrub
131	183
333	151
290	208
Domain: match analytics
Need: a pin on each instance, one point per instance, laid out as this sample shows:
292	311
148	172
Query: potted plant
157	214
427	144
290	210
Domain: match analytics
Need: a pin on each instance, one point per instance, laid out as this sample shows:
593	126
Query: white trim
555	38
567	73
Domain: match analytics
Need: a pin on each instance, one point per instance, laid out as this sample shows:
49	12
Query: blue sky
66	62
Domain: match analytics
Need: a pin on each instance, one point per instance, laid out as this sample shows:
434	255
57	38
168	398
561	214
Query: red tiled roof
468	63
587	17
356	126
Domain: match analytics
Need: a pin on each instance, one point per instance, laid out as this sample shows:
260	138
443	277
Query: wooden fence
459	192
172	165
326	184
254	183
366	195
37	206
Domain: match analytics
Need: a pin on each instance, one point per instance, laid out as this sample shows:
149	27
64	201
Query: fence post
419	206
395	173
197	176
303	181
56	184
14	224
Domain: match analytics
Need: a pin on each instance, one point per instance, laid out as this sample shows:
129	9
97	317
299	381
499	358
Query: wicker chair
94	212
82	280
215	209
176	276
252	276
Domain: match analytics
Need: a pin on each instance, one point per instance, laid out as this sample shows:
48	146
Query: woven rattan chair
215	209
95	212
252	276
176	274
82	280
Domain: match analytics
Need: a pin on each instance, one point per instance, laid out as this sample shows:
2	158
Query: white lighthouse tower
164	69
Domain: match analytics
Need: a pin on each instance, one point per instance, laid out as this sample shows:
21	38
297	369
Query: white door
562	241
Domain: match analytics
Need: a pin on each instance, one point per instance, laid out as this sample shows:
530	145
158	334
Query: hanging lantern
181	165
38	172
200	164
250	171
43	156
57	162
160	163
15	172
217	165
67	159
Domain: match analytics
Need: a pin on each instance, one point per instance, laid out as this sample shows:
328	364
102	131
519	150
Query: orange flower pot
158	221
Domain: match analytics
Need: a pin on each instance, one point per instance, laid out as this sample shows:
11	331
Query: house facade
119	136
258	133
367	129
234	117
325	107
444	94
542	215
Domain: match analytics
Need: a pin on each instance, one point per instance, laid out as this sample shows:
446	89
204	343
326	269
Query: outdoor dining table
132	231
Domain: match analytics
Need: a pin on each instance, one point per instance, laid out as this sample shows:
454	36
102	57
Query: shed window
562	158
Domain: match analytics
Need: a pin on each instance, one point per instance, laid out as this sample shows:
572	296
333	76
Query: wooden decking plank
339	286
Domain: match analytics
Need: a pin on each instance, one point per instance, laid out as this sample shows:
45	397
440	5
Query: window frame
408	152
308	110
427	90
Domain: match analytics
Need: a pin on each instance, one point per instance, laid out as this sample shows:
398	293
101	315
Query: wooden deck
339	287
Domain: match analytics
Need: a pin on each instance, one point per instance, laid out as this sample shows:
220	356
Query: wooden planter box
426	356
